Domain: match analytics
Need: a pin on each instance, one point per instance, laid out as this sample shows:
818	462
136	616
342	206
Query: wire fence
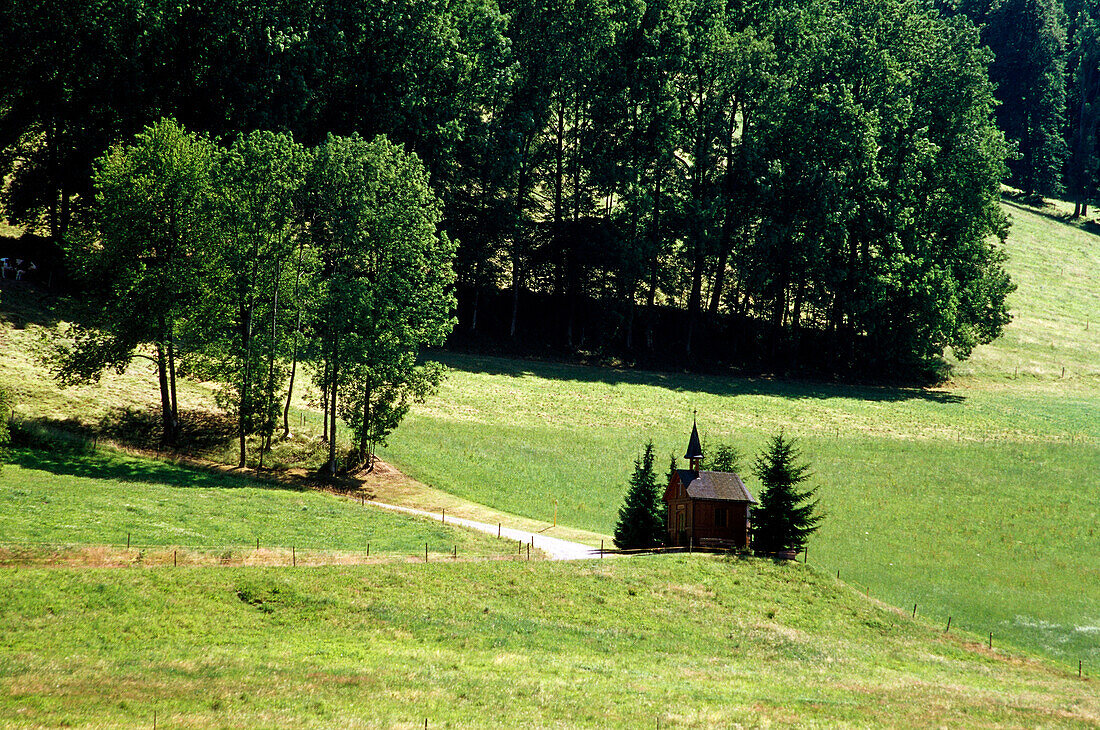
256	554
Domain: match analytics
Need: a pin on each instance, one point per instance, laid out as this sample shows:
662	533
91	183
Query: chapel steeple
694	453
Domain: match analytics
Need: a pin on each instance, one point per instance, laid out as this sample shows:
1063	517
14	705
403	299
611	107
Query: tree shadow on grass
69	447
91	464
200	431
690	382
1088	225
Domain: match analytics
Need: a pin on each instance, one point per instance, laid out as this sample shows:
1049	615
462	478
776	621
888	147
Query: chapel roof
717	485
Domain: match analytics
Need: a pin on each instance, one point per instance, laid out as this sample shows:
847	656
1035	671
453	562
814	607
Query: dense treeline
807	184
1047	73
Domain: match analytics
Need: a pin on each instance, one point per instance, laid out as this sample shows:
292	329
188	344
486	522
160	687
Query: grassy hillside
978	500
66	498
1056	307
688	641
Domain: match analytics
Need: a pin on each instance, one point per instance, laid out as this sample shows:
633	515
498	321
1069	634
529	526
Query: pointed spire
695	450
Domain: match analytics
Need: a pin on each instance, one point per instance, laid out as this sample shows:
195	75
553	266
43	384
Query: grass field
979	500
689	641
72	499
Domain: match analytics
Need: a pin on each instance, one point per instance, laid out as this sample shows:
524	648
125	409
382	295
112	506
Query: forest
807	186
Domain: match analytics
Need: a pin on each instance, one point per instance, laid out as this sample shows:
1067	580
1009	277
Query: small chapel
706	508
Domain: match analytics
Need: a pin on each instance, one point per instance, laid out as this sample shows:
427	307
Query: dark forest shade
811	189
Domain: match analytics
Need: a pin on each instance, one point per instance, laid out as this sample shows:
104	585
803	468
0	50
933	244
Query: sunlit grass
690	642
64	498
978	500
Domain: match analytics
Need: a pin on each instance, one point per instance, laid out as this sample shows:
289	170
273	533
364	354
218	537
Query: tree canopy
241	260
811	186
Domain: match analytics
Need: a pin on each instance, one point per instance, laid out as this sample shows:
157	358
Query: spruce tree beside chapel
642	517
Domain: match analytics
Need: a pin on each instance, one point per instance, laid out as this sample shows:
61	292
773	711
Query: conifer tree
726	457
786	516
641	518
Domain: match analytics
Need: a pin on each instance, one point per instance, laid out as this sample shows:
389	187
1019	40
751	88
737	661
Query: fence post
528	552
498	530
948	625
293	557
456	552
990	639
601	549
173	558
127	541
425	558
914	610
444	520
368	549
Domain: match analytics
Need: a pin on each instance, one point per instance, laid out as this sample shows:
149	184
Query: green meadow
67	499
684	641
979	500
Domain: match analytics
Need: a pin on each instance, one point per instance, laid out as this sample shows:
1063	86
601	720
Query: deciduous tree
384	290
147	258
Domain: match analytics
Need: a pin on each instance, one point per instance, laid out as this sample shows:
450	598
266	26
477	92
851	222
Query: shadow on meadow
688	382
1038	208
25	303
77	462
201	431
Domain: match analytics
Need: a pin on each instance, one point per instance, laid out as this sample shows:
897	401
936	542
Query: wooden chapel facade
706	508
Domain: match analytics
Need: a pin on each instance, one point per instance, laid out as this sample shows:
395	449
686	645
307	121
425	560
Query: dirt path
555	548
387	485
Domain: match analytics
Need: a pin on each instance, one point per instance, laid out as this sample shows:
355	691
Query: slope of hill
977	500
65	506
684	641
1055	308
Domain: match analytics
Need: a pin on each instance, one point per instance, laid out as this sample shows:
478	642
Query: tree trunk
330	468
559	183
515	298
364	448
269	391
172	386
167	428
695	297
324	403
655	242
297	331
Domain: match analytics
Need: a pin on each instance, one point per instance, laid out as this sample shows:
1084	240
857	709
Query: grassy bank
689	641
976	500
66	498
